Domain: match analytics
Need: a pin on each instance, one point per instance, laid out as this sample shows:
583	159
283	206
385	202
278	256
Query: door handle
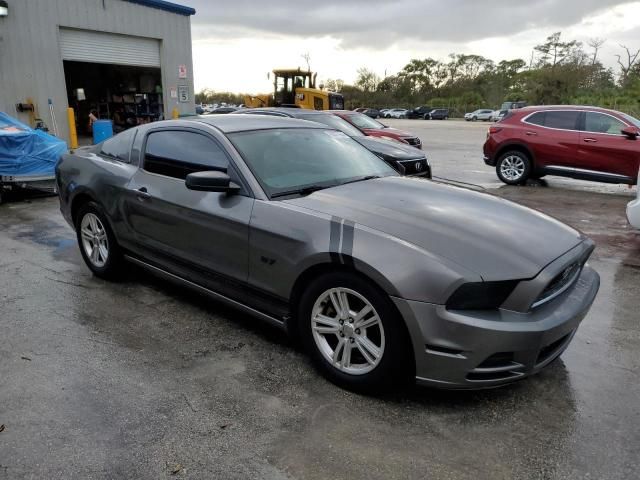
142	193
531	134
589	140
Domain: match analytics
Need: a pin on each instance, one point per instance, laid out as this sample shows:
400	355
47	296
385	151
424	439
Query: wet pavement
141	379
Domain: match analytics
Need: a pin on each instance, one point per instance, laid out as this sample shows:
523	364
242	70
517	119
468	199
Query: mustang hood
497	239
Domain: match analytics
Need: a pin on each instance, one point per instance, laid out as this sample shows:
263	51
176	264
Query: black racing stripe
334	240
347	242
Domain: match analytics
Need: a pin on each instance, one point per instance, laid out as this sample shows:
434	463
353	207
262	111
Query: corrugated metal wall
30	56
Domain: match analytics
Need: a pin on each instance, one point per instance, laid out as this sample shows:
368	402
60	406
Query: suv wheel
513	167
474	118
97	242
353	333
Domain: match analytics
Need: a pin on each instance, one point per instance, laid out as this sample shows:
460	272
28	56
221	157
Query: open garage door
111	48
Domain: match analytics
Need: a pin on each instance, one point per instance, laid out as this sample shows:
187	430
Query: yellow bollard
73	134
175	113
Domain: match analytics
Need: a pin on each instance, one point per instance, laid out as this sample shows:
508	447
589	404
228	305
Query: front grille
415	167
559	284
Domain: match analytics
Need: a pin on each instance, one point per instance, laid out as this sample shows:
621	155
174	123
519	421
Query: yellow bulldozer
296	88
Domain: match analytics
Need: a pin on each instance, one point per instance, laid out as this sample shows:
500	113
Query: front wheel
513	167
354	334
474	119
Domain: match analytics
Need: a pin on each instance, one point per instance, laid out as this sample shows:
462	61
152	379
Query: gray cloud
377	23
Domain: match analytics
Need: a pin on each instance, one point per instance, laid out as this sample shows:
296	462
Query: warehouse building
124	60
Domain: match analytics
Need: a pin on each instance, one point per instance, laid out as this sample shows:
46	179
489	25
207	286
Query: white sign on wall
183	93
182	71
173	92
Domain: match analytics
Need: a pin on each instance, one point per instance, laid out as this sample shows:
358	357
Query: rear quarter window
536	118
119	147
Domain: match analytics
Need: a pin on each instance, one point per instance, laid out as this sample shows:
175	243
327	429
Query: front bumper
479	349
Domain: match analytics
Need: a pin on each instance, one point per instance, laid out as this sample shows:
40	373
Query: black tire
513	156
395	366
114	265
474	119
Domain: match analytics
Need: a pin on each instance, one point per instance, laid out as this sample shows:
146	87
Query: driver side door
604	149
185	230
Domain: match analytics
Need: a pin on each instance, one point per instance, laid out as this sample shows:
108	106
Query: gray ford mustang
382	277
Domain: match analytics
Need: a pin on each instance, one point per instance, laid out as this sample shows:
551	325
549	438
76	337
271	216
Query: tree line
559	71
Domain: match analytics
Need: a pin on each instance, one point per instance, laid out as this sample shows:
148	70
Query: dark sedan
383	277
402	157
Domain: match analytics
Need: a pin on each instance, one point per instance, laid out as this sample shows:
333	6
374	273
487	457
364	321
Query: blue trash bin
102	129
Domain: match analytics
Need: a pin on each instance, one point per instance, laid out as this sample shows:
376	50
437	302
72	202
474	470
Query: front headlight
481	295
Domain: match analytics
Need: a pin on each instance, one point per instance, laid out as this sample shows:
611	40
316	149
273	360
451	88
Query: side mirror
630	132
211	181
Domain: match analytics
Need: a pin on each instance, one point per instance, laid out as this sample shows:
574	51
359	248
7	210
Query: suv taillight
494	129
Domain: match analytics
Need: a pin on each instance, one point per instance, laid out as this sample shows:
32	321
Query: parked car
199	110
482	114
383	111
588	143
372	127
371	112
498	115
633	210
438	114
403	158
396	113
223	110
419	112
382	277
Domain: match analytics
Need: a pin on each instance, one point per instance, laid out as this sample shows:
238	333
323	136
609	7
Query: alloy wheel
348	331
512	168
94	240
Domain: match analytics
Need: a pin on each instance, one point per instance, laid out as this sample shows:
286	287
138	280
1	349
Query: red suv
373	128
588	143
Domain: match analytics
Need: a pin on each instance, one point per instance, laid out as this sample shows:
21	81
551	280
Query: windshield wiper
301	191
362	179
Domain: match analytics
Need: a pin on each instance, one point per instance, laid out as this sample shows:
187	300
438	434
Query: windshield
631	119
284	160
333	122
362	121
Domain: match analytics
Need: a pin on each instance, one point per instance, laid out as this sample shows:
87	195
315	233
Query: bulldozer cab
286	82
296	88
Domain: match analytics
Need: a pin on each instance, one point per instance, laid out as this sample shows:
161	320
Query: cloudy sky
236	42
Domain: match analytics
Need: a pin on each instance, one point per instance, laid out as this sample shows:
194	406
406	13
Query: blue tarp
25	151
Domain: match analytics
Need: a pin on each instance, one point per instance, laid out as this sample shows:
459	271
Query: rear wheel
513	167
97	242
353	333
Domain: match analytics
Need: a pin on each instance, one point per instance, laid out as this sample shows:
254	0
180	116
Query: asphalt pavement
140	379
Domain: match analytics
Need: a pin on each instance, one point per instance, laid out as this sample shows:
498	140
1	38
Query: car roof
535	108
285	111
244	123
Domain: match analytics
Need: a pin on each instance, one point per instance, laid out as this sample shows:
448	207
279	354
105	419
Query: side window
119	147
561	120
176	154
600	123
537	118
